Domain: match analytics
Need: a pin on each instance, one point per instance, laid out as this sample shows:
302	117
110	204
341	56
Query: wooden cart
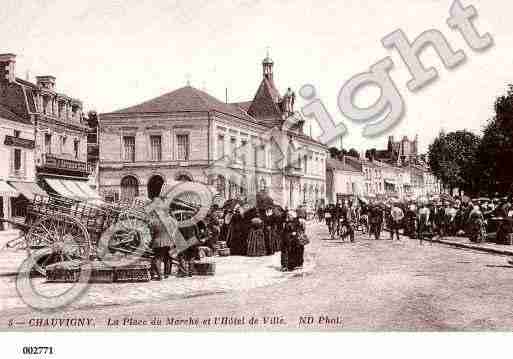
71	230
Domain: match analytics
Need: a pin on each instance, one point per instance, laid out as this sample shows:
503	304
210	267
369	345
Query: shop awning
7	191
390	182
59	187
73	189
28	189
91	193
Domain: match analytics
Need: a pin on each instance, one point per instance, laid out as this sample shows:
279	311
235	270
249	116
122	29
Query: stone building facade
184	134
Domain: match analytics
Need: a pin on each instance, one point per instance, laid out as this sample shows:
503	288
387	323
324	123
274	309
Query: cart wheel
130	236
63	235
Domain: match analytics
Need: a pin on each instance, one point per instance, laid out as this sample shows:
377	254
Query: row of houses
399	173
43	142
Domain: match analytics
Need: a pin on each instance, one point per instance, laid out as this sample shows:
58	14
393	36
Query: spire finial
188	78
267	49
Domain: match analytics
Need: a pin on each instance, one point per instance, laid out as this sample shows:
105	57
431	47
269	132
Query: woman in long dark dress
256	244
277	220
272	242
292	249
236	239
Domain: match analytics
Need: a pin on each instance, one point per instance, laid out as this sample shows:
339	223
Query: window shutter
24	162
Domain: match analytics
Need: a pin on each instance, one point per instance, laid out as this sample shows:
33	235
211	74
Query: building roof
337	165
265	104
185	99
243	105
11	116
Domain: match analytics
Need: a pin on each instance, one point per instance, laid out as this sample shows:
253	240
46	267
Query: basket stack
101	272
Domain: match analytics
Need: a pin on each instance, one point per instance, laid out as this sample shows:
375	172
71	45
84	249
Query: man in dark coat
161	244
376	220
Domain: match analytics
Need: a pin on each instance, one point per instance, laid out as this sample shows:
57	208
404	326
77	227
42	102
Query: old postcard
255	165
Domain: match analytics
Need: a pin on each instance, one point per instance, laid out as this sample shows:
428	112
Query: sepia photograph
252	165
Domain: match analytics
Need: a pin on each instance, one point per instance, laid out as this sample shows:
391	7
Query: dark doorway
155	186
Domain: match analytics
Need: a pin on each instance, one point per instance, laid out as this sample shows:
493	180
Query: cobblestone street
366	285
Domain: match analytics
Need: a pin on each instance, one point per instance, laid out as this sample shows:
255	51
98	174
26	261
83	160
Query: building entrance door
155	186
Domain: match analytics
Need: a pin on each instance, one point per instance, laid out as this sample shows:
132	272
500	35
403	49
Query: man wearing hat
397	216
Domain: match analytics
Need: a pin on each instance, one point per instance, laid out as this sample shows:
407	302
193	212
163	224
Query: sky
114	54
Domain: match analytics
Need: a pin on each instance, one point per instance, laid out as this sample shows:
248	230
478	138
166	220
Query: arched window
129	188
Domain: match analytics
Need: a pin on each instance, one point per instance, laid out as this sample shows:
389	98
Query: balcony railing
54	162
292	170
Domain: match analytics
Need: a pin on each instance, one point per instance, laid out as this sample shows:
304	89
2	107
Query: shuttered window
129	148
183	147
156	148
17	159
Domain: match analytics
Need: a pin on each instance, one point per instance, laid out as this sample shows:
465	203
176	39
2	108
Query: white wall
7	152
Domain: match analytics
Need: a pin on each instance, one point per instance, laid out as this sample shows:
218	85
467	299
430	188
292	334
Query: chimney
7	68
46	82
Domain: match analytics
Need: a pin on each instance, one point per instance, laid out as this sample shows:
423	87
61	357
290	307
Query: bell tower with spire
267	66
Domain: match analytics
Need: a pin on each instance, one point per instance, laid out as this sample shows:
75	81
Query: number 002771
38	350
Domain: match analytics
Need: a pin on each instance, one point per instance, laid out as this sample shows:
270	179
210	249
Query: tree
334	152
452	158
495	154
370	154
92	119
353	153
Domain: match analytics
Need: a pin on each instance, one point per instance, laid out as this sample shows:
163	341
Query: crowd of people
259	229
263	229
421	219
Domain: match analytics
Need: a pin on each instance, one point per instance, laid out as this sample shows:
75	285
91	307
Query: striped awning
27	189
73	189
7	191
59	187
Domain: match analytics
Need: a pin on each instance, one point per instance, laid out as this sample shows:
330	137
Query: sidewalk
463	242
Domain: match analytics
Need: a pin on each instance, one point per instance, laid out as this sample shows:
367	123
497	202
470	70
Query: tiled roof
243	105
11	116
185	99
265	103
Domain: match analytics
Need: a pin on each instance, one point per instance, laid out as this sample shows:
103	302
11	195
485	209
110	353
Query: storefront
7	193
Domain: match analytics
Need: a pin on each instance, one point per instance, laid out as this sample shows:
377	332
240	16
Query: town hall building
180	135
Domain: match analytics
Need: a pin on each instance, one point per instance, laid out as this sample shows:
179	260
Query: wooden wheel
131	235
62	235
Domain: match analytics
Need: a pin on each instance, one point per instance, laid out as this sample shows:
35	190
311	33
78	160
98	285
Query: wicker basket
137	272
62	275
102	275
63	272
